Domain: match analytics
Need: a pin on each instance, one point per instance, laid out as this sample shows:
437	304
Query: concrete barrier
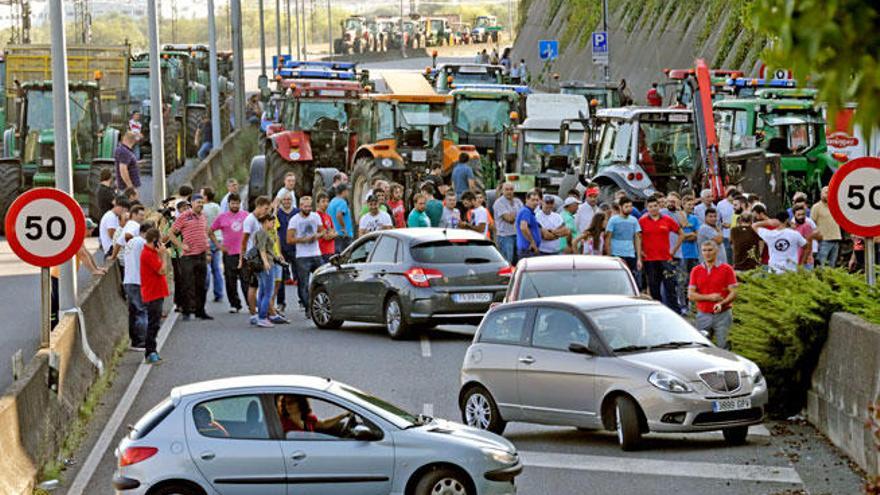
845	381
34	420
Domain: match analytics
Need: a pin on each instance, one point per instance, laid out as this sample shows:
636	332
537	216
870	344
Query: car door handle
527	360
207	455
298	455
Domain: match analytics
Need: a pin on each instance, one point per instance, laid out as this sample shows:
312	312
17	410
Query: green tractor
29	146
191	87
139	98
793	128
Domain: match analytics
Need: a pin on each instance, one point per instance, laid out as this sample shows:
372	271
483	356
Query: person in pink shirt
805	227
230	224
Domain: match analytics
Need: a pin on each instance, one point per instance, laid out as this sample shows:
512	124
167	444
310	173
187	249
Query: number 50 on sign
854	196
45	227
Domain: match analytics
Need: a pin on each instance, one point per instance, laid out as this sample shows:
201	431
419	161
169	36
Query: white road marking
140	376
428	410
426	346
656	467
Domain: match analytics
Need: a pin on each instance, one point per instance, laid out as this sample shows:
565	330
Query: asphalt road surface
421	376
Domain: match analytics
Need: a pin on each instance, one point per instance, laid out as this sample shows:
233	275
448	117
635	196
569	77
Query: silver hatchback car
274	435
612	362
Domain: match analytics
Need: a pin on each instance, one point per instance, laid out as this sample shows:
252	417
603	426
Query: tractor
139	98
356	37
676	92
606	94
437	31
485	28
193	95
29	145
446	77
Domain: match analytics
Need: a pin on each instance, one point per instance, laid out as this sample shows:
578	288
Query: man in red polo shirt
713	288
193	229
656	254
154	290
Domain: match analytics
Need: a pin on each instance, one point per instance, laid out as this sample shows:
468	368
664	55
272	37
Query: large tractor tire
173	146
362	175
322	180
194	117
10	187
277	168
257	181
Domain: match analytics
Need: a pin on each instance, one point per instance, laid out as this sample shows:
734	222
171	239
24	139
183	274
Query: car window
557	328
238	417
549	283
386	250
361	252
309	418
504	327
455	251
152	419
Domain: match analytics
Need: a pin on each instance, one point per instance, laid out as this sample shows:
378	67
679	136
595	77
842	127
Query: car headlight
669	382
500	456
758	378
387	162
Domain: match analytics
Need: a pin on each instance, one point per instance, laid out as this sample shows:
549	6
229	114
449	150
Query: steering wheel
346	424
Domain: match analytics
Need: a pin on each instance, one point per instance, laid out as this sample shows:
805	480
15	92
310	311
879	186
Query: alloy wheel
392	317
448	486
477	411
321	308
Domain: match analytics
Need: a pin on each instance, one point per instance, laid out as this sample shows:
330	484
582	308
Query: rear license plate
731	405
475	297
419	156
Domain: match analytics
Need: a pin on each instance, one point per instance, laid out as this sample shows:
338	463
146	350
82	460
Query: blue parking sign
548	49
600	42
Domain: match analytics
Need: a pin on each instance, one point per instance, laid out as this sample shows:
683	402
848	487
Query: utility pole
289	37
329	30
25	21
215	87
305	43
262	42
238	63
607	38
402	33
278	28
63	157
157	110
510	19
299	54
174	21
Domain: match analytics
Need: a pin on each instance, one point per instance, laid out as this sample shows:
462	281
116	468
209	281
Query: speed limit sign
854	196
45	227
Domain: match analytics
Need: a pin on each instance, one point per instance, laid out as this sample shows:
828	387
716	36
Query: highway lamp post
262	42
278	29
238	63
402	34
289	36
608	36
305	43
63	157
329	30
299	54
157	131
215	86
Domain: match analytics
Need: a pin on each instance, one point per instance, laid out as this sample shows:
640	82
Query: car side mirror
579	348
335	260
365	433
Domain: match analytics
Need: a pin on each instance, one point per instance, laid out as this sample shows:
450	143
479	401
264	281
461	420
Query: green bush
781	322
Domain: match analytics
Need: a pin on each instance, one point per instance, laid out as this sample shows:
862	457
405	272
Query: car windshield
430	119
643	327
548	283
139	87
391	413
311	111
667	148
790	133
480	116
456	251
536	156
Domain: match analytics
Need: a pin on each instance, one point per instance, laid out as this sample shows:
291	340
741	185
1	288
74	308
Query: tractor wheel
10	187
194	117
607	192
362	175
323	178
172	146
278	168
256	180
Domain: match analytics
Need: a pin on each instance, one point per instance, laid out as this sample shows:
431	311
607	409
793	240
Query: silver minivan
620	363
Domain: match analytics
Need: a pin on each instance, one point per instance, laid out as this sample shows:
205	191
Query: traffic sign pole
45	307
605	29
870	261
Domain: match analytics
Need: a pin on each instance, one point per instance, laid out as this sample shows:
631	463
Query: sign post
854	201
45	227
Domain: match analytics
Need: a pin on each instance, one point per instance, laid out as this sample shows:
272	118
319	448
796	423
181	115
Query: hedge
781	323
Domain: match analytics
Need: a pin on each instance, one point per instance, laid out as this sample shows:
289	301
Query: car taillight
506	271
639	176
421	277
134	455
630	176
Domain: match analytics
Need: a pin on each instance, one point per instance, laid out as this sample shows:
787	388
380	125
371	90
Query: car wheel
395	322
442	481
478	409
736	435
626	416
176	490
322	311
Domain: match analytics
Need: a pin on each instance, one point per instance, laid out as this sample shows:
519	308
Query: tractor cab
743	87
606	94
447	77
677	93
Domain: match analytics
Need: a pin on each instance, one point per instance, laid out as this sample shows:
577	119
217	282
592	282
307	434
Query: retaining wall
845	382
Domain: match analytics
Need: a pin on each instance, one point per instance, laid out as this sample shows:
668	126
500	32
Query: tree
835	44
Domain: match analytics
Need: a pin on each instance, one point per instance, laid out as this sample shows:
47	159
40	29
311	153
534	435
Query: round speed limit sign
854	196
45	227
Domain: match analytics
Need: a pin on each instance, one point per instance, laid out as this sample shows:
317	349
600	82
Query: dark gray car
409	277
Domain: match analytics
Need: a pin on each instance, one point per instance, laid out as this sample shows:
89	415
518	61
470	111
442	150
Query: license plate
731	405
476	297
555	181
419	156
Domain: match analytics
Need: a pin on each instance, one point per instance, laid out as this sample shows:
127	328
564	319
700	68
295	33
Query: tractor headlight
387	162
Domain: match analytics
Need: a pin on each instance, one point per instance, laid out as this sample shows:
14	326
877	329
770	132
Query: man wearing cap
505	209
569	209
193	228
587	209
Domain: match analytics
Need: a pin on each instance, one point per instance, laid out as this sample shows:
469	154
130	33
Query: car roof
434	234
302	381
570	261
585	302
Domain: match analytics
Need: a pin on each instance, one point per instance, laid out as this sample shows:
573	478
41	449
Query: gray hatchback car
274	435
620	363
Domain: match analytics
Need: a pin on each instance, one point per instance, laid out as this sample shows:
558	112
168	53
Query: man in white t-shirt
304	230
110	224
375	219
552	226
289	187
477	216
131	230
131	283
587	210
250	226
783	243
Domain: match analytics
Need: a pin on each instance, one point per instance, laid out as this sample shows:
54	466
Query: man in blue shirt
340	212
463	178
623	238
528	230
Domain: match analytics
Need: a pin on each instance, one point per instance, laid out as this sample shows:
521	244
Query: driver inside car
296	414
